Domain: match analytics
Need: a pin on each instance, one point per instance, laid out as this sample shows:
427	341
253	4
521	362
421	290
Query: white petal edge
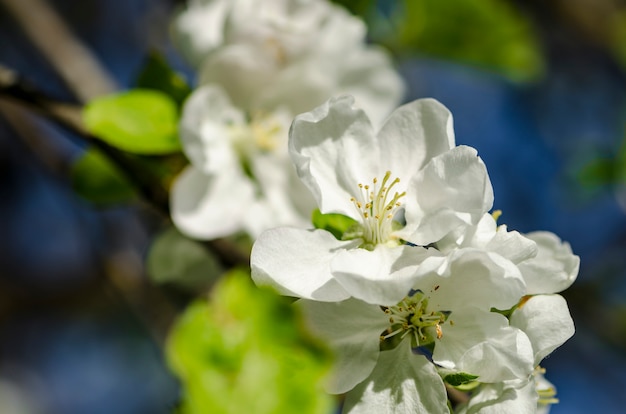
383	276
352	329
401	383
519	397
481	343
472	277
334	149
413	134
555	267
368	75
206	118
546	321
452	190
296	262
199	29
207	206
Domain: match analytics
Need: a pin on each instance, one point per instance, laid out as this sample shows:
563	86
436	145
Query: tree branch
68	116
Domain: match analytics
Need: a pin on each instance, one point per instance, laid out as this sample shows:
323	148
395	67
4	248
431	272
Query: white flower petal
512	245
472	278
243	70
554	268
519	397
368	75
352	329
204	129
300	86
297	263
481	343
275	206
208	206
199	29
333	148
413	134
546	321
340	24
401	383
383	276
290	27
488	236
453	189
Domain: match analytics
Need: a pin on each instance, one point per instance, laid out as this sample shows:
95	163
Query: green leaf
174	258
156	74
598	172
138	121
337	224
617	31
361	8
245	351
491	34
98	180
459	379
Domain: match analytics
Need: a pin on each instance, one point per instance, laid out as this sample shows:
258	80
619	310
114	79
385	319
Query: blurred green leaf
138	121
174	258
608	168
617	34
98	180
245	351
358	7
157	74
597	172
337	224
491	34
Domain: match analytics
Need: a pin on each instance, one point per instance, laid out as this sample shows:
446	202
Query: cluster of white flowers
423	290
260	63
419	290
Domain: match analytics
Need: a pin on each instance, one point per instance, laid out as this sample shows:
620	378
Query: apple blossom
286	53
240	177
423	284
260	64
546	321
445	321
408	183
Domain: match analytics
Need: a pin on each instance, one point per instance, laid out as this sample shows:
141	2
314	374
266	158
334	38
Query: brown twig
68	116
74	62
150	187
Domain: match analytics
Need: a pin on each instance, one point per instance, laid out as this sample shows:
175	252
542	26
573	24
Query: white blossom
408	182
446	318
260	64
290	53
239	178
546	321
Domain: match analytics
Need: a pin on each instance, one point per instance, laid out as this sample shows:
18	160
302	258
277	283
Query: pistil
412	317
377	206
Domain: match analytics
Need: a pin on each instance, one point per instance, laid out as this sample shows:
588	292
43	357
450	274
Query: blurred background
539	88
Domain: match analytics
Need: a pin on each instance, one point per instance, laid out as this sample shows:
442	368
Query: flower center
261	133
377	204
277	50
412	317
